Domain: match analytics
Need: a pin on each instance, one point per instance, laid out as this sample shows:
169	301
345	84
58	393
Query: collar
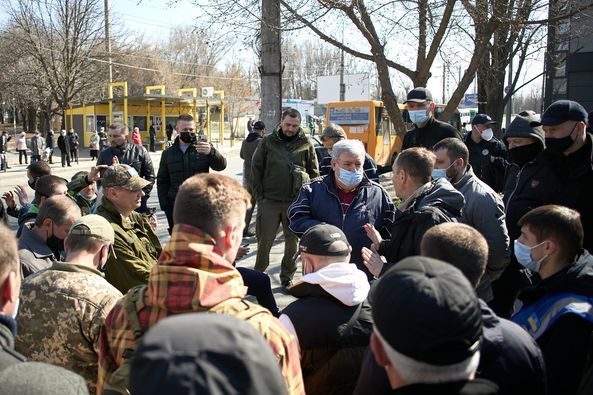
7	328
34	244
115	215
406	204
428	124
74	268
469	173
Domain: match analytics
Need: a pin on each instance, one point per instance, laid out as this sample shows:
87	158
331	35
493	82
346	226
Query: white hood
343	281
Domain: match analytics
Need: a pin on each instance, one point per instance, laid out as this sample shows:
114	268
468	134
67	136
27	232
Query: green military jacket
271	174
136	248
60	315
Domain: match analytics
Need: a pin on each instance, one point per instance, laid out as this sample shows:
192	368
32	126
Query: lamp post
14	117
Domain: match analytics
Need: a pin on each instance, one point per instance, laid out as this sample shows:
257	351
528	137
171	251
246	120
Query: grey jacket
484	210
34	254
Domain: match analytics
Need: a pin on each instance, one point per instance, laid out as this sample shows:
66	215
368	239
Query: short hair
77	243
417	162
119	128
455	149
57	208
38	169
184	117
207	201
47	185
559	223
353	147
460	245
80	174
9	252
291	112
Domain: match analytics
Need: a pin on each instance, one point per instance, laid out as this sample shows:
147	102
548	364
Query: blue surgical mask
441	173
350	178
16	308
418	116
523	255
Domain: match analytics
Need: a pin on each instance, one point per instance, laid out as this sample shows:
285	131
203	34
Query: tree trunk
271	64
31	123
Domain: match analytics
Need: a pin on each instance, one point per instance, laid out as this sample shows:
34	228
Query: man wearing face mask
187	156
345	198
487	154
483	208
62	308
427	130
557	311
42	242
10	286
126	152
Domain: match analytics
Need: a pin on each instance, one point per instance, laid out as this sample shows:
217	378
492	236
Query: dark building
569	57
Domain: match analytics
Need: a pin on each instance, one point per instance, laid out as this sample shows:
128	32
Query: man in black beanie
428	329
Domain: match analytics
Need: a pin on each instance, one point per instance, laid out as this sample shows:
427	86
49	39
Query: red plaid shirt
192	277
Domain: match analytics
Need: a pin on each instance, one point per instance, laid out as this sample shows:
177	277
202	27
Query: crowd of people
475	278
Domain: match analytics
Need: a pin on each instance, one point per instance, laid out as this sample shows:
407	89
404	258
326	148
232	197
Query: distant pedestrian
94	145
73	139
247	149
21	147
64	146
136	138
4	139
50	144
37	145
102	138
152	138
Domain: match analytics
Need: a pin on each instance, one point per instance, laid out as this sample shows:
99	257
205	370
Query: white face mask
487	134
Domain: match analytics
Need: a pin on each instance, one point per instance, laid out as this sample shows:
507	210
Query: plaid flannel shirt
192	277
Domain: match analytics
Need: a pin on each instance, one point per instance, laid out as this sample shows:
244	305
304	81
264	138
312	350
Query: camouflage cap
93	225
123	176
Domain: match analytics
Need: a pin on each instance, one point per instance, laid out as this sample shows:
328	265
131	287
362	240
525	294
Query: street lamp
14	117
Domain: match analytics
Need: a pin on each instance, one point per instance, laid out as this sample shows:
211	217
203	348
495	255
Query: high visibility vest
538	317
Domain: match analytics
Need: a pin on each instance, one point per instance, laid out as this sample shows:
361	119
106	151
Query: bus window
378	117
385	127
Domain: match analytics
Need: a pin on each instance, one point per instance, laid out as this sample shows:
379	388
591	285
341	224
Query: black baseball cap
259	125
427	310
325	240
483	119
419	95
563	110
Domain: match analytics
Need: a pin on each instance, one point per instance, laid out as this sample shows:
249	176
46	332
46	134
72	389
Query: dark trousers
152	144
74	155
35	158
23	154
258	285
94	154
65	158
50	155
169	214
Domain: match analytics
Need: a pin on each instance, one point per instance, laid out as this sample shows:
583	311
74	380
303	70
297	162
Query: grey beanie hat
521	126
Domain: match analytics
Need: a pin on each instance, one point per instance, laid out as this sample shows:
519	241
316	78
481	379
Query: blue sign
355	115
471	100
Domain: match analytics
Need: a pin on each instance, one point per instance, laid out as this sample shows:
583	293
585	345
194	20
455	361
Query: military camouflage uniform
191	277
136	247
60	315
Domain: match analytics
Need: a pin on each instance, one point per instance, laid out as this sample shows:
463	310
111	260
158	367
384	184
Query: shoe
286	283
248	233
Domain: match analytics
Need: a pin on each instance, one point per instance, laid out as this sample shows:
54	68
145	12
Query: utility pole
444	82
108	40
270	64
342	85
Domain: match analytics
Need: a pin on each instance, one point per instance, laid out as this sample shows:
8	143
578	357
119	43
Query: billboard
328	88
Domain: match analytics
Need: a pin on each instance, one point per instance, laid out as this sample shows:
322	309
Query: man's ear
230	235
432	106
379	351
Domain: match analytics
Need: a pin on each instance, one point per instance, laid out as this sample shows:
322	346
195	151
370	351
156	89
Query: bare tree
61	38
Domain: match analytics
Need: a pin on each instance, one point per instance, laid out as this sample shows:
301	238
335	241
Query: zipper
516	186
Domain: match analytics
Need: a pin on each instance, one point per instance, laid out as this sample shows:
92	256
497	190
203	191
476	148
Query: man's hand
374	235
114	161
203	147
372	260
152	221
242	251
10	199
95	173
21	192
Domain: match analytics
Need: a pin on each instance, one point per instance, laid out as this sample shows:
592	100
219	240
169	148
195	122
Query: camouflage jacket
60	315
136	247
191	276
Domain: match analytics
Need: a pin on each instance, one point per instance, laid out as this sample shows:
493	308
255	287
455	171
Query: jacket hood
191	274
443	195
343	281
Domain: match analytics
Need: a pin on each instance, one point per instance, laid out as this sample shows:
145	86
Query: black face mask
32	183
562	144
524	154
56	245
188	137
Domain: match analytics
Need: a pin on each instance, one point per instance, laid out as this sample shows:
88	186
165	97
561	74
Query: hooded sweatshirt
333	325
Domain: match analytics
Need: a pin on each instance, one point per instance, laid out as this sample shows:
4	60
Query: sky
154	19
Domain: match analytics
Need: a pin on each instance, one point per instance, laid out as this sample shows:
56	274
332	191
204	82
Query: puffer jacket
271	165
434	203
177	166
132	155
318	202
